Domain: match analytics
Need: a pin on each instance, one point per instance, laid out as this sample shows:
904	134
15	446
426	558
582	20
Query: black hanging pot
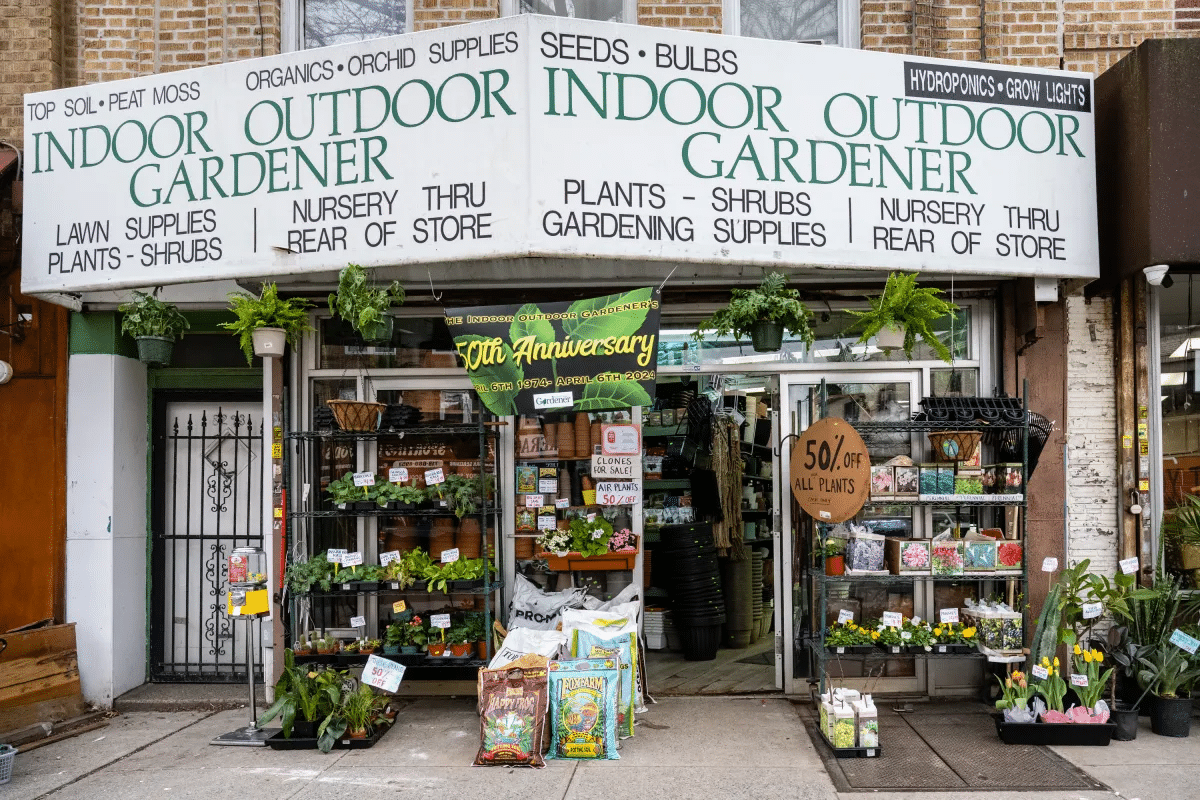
155	350
1171	716
767	336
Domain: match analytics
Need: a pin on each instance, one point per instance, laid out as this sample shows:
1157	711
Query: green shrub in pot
364	305
763	314
155	324
266	311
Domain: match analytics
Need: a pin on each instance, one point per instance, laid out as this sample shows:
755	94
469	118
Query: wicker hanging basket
355	415
954	445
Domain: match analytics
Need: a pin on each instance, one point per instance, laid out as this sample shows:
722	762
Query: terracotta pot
835	565
436	650
460	650
481	650
358	734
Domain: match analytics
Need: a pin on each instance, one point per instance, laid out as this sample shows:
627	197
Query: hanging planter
269	342
379	331
155	325
763	314
365	306
264	313
910	310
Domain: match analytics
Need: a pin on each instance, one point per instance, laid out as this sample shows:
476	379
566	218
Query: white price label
364	479
547	522
358	622
450	556
534	501
1092	610
893	619
620	440
1185	642
618	493
1129	565
352	559
591	517
399	607
562	502
905	635
334	556
548	485
382	673
844	616
398	474
948	615
439	620
1050	564
1079	680
1040	672
388	557
434	476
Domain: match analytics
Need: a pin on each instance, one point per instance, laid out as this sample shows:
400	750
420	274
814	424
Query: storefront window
603	10
1179	379
416	342
330	22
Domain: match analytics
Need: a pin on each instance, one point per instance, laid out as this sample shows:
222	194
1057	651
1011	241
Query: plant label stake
1129	565
893	619
844	616
388	557
1040	672
398	474
1092	610
352	559
358	622
1185	642
1050	564
948	615
1079	680
399	607
450	556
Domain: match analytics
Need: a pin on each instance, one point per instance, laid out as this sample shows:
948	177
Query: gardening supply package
533	608
583	708
512	717
525	641
595	634
1000	627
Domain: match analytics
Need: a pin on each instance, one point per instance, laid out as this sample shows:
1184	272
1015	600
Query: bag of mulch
532	608
623	648
583	708
512	717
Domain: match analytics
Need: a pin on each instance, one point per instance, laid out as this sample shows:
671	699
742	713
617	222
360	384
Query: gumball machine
247	599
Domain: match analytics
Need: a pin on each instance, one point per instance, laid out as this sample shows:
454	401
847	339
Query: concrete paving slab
429	732
616	779
425	783
1147	748
185	783
46	768
1150	782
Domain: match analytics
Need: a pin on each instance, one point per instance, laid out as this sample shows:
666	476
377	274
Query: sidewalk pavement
712	747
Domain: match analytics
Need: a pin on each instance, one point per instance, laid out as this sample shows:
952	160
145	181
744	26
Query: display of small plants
342	491
889	636
954	633
1016	691
583	537
919	634
850	634
302	576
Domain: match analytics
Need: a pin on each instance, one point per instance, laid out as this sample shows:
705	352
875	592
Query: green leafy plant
310	696
362	304
1052	687
465	569
905	307
919	634
831	547
301	576
266	310
458	634
386	492
1016	691
393	636
583	537
1089	663
146	315
357	707
849	634
770	301
1167	671
342	490
463	492
414	632
475	624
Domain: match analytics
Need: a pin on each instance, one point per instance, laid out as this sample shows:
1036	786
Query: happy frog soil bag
583	708
512	717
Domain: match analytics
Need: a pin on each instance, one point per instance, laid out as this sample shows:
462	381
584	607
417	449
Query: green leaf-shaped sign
498	382
615	394
600	326
541	330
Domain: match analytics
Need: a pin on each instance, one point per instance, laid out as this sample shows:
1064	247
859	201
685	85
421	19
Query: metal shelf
487	589
467	429
917	426
974	576
666	483
951	500
383	512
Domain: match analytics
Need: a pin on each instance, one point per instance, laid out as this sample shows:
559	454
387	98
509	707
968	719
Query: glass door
876	397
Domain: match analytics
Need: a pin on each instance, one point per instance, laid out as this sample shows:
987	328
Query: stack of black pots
698	608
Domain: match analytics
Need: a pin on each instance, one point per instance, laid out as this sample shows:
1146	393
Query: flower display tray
851	752
851	650
1066	734
277	742
573	562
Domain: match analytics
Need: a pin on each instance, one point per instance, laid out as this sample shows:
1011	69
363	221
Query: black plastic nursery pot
1065	734
699	642
1126	719
1171	716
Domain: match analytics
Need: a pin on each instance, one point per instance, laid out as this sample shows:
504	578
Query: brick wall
688	15
438	13
1091	425
30	57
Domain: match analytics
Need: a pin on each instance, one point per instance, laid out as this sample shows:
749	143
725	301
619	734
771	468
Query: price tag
562	502
591	517
1129	565
364	479
1040	672
358	622
439	620
844	616
1184	642
398	474
1050	564
618	493
1079	680
399	607
352	559
905	634
948	615
450	556
1092	610
547	522
434	476
534	501
334	556
382	673
548	485
893	619
388	557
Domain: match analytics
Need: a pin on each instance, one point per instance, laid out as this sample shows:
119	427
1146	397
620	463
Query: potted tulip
365	306
763	314
155	325
264	323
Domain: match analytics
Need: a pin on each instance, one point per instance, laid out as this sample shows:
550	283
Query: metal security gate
207	499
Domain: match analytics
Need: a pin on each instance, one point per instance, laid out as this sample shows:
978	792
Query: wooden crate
39	677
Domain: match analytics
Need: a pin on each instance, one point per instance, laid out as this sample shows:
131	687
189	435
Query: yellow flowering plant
1052	687
849	634
1016	691
1089	663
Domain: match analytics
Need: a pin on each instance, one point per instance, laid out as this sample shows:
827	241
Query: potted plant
419	566
476	625
903	308
414	637
264	323
357	708
368	646
365	306
585	546
833	552
763	314
155	324
1169	674
954	637
393	638
301	576
465	574
850	637
436	649
462	493
297	700
457	640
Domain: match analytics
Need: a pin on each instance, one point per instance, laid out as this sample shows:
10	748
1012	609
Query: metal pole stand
251	735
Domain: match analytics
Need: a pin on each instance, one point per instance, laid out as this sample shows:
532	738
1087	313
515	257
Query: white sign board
620	440
382	673
621	467
559	137
618	493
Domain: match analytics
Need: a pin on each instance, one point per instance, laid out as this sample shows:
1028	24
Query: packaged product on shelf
907	480
979	554
530	607
908	556
1010	478
513	704
999	627
527	479
864	551
825	707
988	478
946	555
867	722
968	482
844	731
928	480
883	480
1009	556
583	708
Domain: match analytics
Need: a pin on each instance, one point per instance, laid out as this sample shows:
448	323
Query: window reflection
329	22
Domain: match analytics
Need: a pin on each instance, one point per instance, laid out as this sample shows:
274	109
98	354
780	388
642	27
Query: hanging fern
906	307
770	301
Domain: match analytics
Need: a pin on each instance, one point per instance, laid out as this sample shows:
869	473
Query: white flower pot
268	342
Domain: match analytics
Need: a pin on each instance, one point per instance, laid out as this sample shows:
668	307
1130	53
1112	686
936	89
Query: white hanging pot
889	338
268	342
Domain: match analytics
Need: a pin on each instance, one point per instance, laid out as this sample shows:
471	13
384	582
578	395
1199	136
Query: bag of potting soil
532	608
521	641
623	648
583	708
512	717
620	619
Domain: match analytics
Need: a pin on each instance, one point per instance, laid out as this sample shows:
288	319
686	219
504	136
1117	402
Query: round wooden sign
831	470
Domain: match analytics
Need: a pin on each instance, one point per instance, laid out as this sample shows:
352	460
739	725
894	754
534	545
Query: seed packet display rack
489	522
1013	583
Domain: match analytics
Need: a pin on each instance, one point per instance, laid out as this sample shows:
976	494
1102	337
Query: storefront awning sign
553	137
597	354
